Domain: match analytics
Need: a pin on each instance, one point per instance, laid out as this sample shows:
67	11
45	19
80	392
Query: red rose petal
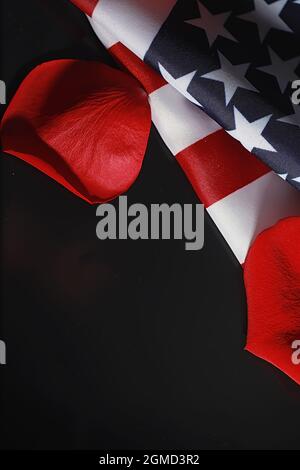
84	124
272	279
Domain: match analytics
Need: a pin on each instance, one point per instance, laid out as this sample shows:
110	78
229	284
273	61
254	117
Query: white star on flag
232	76
250	133
283	175
296	179
213	24
297	2
293	119
266	16
283	70
181	84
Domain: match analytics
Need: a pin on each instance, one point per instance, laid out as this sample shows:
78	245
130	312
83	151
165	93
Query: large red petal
272	279
84	124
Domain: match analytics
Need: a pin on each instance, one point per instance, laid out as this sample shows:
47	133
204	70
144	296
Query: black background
131	345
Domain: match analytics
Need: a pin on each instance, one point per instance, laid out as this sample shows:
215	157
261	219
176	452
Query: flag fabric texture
219	76
238	60
242	194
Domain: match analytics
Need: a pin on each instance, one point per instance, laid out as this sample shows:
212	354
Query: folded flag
242	195
237	60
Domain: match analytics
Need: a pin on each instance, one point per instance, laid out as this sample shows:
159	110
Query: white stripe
242	215
179	122
106	37
135	22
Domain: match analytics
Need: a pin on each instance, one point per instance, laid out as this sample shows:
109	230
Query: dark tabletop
119	344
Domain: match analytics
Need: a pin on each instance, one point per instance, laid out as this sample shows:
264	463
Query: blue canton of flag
239	61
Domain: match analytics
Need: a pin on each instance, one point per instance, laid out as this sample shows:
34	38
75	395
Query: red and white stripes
241	194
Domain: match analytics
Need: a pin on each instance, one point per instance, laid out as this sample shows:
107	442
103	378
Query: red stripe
149	78
218	165
87	6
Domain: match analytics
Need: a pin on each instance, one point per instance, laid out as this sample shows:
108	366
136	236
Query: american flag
218	75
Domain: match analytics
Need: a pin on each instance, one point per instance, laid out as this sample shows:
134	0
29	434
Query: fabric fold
235	61
242	195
